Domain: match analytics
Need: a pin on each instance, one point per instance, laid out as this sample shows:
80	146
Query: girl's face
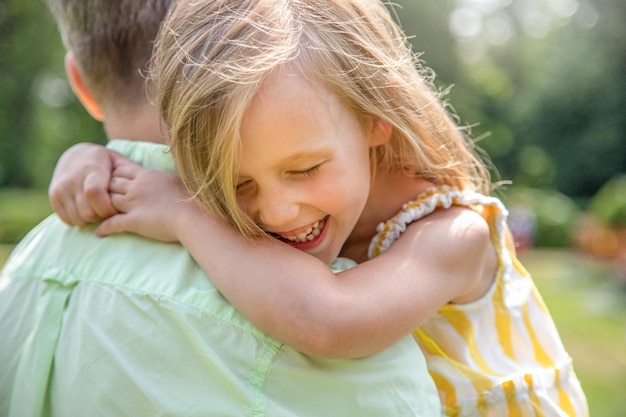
304	172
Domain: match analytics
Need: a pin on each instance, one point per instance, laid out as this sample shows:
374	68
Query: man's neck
138	124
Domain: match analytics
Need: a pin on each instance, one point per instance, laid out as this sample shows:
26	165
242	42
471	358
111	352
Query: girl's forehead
280	84
292	116
286	107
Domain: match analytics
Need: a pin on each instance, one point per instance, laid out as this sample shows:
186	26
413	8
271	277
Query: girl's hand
79	189
148	203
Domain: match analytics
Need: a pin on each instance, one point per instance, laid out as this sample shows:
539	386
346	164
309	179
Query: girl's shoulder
489	209
455	245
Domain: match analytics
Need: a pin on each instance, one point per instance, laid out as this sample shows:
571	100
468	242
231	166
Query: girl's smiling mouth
305	239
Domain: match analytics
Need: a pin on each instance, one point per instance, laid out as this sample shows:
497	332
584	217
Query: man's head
111	41
109	44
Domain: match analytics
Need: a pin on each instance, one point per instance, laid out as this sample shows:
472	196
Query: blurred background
541	83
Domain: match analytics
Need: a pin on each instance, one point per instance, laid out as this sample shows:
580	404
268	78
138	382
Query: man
128	326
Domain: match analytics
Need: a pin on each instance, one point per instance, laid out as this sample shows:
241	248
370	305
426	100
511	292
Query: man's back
127	326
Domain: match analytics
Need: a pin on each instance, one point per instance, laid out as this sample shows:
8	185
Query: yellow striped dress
500	355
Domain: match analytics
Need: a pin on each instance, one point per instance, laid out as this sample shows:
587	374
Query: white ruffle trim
389	231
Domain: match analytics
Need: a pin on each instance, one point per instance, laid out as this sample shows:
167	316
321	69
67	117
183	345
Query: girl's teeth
310	234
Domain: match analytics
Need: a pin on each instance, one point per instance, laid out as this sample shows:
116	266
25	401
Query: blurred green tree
39	116
542	82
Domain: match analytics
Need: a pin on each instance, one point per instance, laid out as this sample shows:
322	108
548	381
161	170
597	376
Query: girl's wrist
192	220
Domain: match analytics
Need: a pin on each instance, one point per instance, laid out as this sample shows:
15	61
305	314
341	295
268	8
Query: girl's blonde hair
213	55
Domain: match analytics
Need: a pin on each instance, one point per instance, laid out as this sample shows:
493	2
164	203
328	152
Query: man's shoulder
128	264
123	259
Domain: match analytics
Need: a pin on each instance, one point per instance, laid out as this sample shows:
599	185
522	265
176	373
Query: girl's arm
295	297
79	189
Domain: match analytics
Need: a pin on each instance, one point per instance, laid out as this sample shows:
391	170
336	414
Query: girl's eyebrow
306	156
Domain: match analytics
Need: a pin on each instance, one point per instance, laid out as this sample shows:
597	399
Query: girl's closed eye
307	172
243	186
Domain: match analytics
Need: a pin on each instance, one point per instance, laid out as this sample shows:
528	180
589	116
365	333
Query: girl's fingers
60	211
119	185
57	203
120	202
69	214
96	196
117	159
126	169
114	224
84	211
63	202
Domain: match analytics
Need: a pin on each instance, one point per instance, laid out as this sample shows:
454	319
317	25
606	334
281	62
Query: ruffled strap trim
444	197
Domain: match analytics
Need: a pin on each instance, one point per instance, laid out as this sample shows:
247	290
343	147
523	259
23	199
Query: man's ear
80	88
380	132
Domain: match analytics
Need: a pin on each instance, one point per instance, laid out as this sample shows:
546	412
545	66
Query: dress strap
426	203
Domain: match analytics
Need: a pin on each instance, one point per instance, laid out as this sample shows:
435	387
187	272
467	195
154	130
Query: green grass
588	304
20	211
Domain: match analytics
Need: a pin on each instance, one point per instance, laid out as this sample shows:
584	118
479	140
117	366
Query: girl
310	128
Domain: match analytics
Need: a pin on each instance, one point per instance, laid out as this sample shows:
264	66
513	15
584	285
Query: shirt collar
150	155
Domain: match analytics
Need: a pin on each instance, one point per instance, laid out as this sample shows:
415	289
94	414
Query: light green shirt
125	326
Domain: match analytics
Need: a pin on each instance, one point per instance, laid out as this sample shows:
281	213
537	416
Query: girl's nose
277	209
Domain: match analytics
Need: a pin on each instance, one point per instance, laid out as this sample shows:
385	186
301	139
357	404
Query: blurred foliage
550	216
541	84
609	204
601	232
39	115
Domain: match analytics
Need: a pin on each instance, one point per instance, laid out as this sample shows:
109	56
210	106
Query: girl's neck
390	191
